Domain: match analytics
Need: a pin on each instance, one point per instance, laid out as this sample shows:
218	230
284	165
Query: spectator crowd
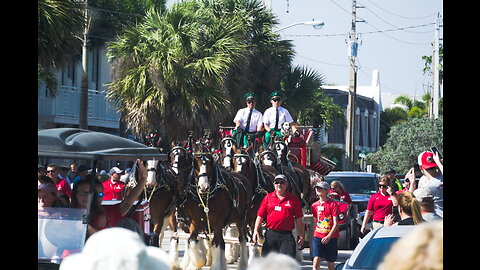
413	202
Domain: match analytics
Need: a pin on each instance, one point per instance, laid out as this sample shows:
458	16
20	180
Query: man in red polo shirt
113	187
281	210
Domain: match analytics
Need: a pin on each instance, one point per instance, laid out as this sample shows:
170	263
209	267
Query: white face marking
239	165
203	180
151	175
279	147
226	161
267	161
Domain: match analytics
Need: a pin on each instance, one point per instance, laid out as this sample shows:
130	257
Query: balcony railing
67	104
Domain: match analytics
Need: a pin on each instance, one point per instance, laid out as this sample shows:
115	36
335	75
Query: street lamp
315	24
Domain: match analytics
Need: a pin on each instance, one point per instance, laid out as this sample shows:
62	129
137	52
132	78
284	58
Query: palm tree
268	57
169	69
188	67
59	25
306	100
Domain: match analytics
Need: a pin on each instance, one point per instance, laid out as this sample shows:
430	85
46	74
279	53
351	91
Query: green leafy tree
389	118
169	69
405	142
187	66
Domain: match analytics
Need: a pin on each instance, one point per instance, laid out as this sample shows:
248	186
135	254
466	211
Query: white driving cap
116	249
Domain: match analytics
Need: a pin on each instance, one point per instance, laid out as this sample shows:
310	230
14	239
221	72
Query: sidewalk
343	255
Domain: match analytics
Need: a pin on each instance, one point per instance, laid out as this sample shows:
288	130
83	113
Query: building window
95	68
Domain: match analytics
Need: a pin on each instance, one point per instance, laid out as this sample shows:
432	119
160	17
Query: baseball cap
119	249
322	184
421	193
425	160
281	176
115	170
391	171
48	187
82	168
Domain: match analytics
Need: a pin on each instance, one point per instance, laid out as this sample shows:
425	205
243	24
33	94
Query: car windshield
373	252
356	184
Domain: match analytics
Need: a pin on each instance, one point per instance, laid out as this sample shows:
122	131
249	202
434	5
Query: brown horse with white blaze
214	199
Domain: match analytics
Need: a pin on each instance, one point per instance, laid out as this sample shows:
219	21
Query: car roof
393	231
357	174
86	144
382	232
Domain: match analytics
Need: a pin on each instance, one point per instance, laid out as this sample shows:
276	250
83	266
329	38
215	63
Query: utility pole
352	90
435	70
83	117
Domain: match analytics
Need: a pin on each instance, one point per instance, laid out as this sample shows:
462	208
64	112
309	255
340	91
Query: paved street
343	255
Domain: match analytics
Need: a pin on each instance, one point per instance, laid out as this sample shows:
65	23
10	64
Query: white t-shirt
270	115
255	122
435	186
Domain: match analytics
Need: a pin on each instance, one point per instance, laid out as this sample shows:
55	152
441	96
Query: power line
322	62
336	4
383	20
363	33
394	38
401	16
113	11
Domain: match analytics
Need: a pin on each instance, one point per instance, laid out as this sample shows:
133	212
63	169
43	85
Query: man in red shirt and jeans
282	211
113	187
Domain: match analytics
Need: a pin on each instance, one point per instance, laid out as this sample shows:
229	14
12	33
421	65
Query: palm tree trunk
83	117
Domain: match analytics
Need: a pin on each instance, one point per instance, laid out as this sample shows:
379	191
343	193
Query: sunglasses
382	186
250	101
84	193
276	99
51	171
279	182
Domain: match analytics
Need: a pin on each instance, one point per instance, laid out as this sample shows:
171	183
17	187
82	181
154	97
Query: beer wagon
304	149
62	231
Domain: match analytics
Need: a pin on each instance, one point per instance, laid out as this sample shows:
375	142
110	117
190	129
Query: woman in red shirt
379	206
99	219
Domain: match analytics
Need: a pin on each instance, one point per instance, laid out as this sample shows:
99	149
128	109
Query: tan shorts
376	225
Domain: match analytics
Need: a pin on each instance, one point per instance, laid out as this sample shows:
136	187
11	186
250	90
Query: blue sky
397	54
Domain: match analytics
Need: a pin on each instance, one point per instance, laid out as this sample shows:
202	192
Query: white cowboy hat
116	249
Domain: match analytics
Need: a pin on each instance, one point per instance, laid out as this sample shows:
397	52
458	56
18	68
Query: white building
367	116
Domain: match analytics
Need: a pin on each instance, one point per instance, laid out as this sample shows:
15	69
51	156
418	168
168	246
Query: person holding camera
409	209
248	122
432	179
379	206
394	182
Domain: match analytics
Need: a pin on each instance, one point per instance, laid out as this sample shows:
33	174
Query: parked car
374	247
360	186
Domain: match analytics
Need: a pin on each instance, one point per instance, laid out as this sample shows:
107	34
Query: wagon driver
275	116
248	121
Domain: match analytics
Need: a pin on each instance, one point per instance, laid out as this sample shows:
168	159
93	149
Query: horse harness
220	184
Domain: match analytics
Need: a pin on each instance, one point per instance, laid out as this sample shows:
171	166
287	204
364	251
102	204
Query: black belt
280	232
382	221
